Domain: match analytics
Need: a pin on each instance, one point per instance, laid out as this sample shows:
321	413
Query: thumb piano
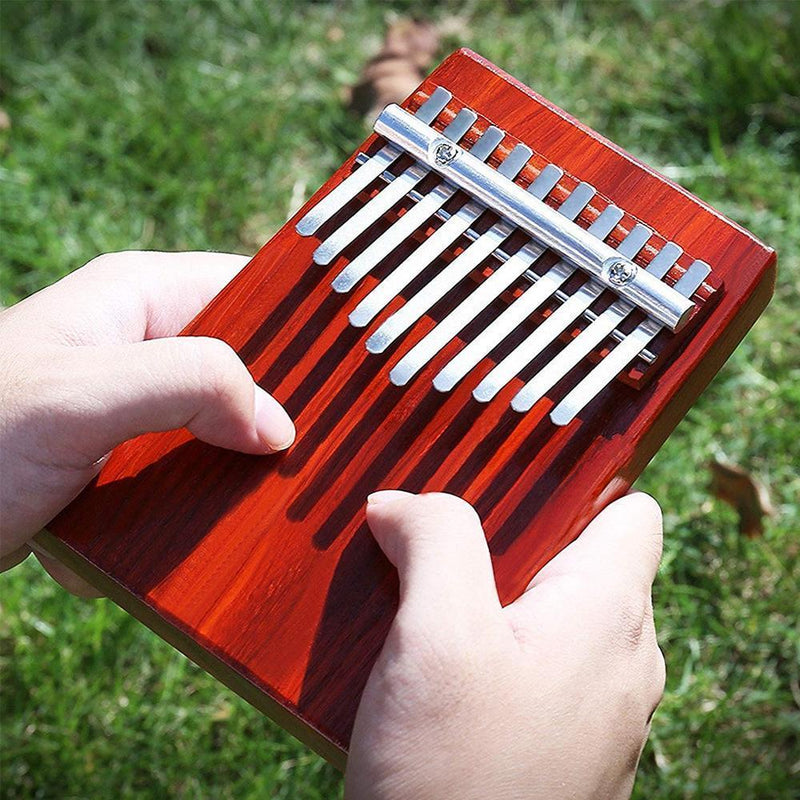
488	299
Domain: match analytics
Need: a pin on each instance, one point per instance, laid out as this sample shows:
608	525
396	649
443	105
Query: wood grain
263	569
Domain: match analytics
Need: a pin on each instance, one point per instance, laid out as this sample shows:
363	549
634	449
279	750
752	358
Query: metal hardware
389	196
529	253
622	355
519	209
560	365
620	272
357	181
444	153
488	290
511	201
426	206
549	330
426	253
459	268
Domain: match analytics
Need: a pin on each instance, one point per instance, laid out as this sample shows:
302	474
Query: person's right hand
550	697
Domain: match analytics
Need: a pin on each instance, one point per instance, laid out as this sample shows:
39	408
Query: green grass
199	125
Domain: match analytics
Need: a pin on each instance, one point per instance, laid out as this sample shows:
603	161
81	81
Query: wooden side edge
204	659
591	133
712	362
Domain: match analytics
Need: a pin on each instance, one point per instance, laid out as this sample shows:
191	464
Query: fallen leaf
408	50
738	488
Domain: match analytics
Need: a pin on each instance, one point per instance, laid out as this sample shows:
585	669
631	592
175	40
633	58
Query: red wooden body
263	569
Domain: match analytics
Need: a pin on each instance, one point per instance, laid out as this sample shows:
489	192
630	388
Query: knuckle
447	509
120	261
658	677
208	369
37	381
633	620
639	650
217	366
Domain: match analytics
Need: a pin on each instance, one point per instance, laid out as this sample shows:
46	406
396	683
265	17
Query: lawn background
200	125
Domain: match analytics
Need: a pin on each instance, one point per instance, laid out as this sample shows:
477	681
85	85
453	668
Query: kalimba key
487	298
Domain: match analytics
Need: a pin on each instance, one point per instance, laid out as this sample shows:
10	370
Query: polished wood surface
263	569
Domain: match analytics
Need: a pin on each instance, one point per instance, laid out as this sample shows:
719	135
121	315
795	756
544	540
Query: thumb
438	546
120	391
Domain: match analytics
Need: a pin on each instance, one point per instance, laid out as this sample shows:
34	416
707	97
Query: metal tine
388	196
589	338
545	287
368	172
554	325
494	285
622	355
460	267
426	253
427	206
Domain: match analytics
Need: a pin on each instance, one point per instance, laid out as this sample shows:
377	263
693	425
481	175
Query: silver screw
620	272
444	153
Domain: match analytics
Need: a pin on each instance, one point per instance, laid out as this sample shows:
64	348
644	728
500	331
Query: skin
549	697
94	360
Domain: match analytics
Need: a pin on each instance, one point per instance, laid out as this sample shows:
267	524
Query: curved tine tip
378	342
400	377
562	415
444	382
323	255
359	318
305	227
484	392
343	283
521	404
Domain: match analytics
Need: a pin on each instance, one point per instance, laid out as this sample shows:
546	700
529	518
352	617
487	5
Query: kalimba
488	299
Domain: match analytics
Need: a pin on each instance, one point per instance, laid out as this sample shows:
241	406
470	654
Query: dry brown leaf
408	51
5	120
736	486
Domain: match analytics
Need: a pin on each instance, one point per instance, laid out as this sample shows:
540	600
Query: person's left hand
94	360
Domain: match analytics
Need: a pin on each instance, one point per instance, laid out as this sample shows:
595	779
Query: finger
125	297
438	546
64	576
120	391
16	556
611	565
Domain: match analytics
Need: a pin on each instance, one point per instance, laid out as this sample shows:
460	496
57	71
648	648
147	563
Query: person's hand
550	697
94	360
